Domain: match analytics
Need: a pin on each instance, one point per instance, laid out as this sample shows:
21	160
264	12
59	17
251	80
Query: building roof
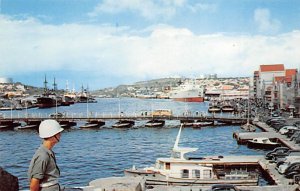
290	72
227	87
271	68
279	78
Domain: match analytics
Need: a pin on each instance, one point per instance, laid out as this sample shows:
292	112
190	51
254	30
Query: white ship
181	170
187	92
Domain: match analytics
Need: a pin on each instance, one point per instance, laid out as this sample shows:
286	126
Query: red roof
270	68
290	72
279	78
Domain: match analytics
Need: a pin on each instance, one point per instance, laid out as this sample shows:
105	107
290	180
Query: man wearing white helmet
43	171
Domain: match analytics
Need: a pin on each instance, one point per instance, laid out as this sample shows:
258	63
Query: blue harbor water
85	155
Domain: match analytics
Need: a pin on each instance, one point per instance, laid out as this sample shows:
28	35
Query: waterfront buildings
277	86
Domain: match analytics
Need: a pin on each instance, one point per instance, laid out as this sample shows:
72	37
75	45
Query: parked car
291	153
291	132
286	160
279	151
295	135
272	120
278	125
290	169
275	114
285	129
297	123
297	140
224	187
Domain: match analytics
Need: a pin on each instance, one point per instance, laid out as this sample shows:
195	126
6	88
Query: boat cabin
185	170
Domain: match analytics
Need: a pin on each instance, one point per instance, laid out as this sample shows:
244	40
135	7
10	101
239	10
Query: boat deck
219	160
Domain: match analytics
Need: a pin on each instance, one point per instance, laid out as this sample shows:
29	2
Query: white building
275	85
4	80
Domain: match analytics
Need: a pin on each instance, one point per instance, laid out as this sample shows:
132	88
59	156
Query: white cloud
265	23
148	9
203	7
30	46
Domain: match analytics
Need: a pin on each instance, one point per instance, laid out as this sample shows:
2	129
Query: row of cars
287	161
281	126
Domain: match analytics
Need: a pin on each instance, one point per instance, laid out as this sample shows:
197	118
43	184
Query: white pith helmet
48	128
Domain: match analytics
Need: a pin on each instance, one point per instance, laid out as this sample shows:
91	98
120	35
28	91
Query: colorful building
276	86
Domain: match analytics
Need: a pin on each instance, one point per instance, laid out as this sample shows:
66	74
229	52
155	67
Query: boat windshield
175	155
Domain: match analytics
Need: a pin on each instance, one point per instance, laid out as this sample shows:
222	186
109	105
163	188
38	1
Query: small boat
155	123
4	127
227	107
184	171
187	122
93	124
124	123
67	124
262	143
199	124
30	125
214	107
7	125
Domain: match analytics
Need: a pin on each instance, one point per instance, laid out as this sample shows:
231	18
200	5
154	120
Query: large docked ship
47	100
188	92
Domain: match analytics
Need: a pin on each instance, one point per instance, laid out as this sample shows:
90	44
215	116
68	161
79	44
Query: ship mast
54	86
45	85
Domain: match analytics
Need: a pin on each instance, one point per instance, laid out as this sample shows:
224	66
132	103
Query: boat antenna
178	137
182	150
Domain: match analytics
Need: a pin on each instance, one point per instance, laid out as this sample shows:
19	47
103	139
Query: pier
269	132
9	123
80	117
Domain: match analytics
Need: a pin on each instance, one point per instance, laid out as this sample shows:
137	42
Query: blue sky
111	42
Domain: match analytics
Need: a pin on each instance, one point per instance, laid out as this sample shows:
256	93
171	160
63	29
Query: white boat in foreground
180	170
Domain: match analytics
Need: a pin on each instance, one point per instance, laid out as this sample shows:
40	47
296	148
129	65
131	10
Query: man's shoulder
42	153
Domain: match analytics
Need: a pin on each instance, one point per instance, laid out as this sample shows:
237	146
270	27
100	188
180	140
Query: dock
269	132
71	120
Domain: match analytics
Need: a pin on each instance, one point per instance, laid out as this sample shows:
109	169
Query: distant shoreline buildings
4	80
276	86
